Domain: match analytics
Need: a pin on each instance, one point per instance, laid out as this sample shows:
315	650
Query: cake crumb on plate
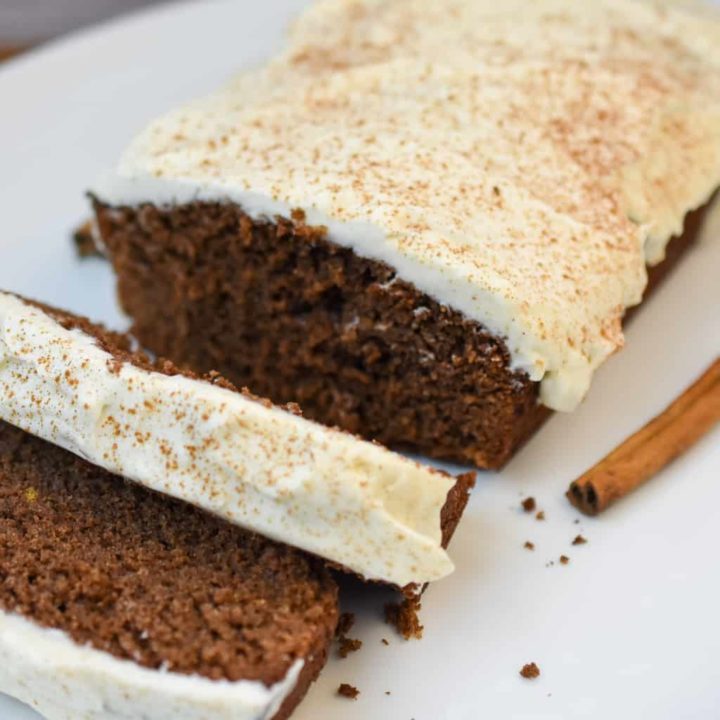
348	691
348	645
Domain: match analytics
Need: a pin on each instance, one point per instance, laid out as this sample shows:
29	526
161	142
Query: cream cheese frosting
518	162
63	680
254	464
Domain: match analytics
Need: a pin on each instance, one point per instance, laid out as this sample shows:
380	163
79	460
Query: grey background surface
27	21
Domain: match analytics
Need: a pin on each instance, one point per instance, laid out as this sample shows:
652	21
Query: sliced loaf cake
263	467
117	602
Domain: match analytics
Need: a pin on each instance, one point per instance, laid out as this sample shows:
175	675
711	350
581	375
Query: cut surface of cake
117	602
423	222
263	467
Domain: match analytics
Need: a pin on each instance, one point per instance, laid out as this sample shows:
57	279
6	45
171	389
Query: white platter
629	629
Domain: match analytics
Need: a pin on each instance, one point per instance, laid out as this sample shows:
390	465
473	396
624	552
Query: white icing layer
62	680
266	469
518	162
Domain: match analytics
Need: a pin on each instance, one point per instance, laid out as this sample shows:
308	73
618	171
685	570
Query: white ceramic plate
628	629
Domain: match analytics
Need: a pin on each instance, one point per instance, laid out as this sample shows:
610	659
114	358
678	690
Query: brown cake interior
278	308
150	579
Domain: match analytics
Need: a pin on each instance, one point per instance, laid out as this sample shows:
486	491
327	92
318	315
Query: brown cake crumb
564	559
348	691
530	671
529	504
345	624
579	540
85	242
348	645
528	545
404	617
540	515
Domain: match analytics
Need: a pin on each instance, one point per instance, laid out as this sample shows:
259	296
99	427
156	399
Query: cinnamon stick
653	447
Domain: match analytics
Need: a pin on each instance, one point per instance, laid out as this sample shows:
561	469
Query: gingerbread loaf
117	602
423	221
263	467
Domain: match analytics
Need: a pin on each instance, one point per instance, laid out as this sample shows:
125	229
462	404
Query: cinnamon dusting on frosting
518	162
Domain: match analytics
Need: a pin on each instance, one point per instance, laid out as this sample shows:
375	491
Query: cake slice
265	468
423	222
117	602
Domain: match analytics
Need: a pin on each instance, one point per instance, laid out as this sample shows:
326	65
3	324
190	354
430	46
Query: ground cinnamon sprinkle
579	540
529	504
528	545
540	515
564	559
348	691
530	671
